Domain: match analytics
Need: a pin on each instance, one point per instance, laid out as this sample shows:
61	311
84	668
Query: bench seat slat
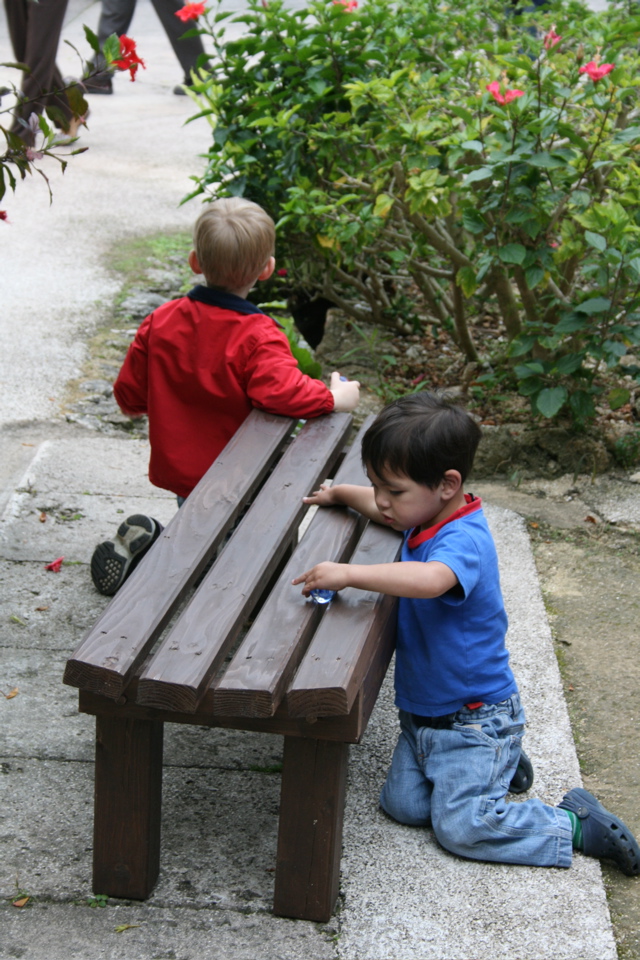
256	679
118	642
335	662
179	673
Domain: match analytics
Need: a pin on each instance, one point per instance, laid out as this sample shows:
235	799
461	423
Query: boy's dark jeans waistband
441	723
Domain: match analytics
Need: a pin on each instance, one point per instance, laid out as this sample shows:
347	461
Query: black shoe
99	83
113	560
181	89
523	777
603	835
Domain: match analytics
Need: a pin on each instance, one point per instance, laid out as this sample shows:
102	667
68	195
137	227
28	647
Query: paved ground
402	897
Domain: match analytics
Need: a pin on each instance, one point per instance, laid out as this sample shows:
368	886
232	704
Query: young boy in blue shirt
460	713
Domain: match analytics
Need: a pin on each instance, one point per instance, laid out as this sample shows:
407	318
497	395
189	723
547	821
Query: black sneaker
181	89
113	560
523	777
603	835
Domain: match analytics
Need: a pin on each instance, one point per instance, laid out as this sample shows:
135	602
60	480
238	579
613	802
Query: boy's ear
194	263
451	483
268	269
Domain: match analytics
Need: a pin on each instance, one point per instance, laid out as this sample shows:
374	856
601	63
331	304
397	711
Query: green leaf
571	323
569	363
473	221
629	135
512	253
92	40
383	205
111	48
618	397
528	370
466	280
474	145
594	305
596	240
550	400
548	161
482	173
614	348
530	386
533	276
521	345
582	405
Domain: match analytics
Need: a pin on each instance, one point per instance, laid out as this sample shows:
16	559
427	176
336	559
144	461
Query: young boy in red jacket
198	366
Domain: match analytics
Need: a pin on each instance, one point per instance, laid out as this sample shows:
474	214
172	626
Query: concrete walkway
402	896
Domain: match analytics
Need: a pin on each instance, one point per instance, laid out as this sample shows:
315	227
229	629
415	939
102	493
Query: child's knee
455	833
411	811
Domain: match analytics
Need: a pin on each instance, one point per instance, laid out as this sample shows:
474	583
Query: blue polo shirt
451	649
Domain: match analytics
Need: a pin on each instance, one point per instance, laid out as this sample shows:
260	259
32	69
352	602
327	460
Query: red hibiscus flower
349	5
129	59
507	97
190	11
282	272
551	38
55	565
596	72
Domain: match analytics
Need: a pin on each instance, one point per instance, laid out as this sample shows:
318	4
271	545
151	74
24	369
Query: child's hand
346	393
324	576
324	497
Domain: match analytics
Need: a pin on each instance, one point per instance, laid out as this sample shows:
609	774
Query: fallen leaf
15	619
40	609
43	517
21	902
534	525
55	565
590	519
126	926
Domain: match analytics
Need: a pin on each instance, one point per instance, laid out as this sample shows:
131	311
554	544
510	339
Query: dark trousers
116	17
35	30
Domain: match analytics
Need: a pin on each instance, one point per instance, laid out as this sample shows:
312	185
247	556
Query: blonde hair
233	239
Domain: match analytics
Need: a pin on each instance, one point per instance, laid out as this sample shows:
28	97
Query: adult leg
115	17
35	30
186	50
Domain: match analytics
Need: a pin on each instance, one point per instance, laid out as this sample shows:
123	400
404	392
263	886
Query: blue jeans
456	780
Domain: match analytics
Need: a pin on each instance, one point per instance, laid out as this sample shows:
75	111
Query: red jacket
197	367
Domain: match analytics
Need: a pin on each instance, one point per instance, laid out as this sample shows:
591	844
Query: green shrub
426	162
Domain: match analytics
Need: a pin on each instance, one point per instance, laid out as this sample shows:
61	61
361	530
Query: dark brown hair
421	436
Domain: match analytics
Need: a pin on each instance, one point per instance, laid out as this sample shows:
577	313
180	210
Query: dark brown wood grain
179	673
128	800
133	691
312	798
338	657
256	679
109	653
348	729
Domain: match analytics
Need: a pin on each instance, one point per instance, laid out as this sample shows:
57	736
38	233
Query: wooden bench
301	670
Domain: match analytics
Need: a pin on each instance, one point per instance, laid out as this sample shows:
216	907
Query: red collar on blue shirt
216	297
416	537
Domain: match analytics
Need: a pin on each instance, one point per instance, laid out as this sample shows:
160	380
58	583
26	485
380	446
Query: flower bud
580	53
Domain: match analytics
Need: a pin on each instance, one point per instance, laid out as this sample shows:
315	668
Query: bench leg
128	800
314	777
